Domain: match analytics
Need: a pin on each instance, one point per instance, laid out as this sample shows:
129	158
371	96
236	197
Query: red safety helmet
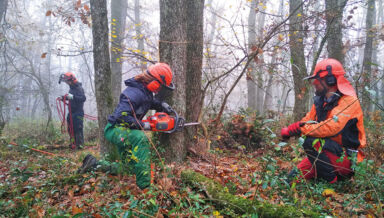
68	76
333	73
162	75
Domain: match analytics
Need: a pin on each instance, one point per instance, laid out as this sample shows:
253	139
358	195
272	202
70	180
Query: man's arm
78	94
346	109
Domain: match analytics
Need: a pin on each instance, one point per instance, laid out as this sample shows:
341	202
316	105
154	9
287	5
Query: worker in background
76	98
125	126
333	130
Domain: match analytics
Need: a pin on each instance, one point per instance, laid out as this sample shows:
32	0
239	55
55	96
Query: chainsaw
163	122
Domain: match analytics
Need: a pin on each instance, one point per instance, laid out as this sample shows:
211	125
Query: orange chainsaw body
161	121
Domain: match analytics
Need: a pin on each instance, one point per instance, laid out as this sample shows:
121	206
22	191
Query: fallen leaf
76	210
70	193
41	212
328	192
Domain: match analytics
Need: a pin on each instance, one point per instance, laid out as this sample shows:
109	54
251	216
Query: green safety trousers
134	149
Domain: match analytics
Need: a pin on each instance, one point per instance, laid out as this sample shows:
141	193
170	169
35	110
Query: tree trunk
260	92
195	29
251	82
299	69
380	86
139	35
102	68
334	17
3	9
223	199
172	50
118	20
367	61
268	90
268	97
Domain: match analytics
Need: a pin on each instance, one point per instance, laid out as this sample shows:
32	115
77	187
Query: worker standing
75	117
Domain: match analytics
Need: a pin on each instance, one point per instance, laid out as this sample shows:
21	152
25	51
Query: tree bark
368	50
172	50
3	9
118	20
251	82
195	29
334	18
102	68
298	66
139	35
260	92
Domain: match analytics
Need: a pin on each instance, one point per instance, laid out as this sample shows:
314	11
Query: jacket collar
131	82
323	105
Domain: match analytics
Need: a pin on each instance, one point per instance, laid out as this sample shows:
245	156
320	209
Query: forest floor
38	184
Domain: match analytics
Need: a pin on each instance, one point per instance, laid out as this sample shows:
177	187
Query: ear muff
330	79
153	86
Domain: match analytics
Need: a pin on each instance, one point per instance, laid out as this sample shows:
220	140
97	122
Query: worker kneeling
125	126
333	129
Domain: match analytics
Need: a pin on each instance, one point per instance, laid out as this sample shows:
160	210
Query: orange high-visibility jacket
343	124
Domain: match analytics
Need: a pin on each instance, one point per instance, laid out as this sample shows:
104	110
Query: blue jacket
138	97
77	103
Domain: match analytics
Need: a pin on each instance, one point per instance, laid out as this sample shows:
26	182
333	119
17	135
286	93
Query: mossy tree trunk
223	199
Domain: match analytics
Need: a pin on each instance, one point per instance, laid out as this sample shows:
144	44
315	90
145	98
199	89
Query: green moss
219	195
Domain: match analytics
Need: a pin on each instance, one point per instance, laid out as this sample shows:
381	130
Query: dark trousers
78	123
326	159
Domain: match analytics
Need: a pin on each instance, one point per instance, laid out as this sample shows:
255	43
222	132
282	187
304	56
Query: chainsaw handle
177	118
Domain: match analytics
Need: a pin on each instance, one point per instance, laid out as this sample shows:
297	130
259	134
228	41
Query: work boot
290	176
72	146
89	163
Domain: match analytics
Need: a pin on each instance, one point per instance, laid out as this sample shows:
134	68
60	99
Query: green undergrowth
252	183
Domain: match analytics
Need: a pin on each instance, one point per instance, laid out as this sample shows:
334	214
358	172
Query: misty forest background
238	67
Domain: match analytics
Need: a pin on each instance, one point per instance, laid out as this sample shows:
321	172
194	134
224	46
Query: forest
191	108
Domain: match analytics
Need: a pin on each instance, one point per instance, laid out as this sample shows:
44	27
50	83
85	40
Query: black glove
166	108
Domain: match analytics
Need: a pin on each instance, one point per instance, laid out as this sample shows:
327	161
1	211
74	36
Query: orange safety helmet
68	76
162	75
333	73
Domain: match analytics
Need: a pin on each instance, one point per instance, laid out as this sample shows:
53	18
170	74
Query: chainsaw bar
191	124
181	123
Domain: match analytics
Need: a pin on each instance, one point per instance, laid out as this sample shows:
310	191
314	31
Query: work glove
291	130
69	96
146	126
63	97
166	108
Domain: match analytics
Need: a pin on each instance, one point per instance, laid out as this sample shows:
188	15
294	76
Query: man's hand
146	126
291	130
166	108
69	96
285	133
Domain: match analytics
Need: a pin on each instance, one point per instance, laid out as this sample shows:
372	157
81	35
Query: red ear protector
330	79
154	86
